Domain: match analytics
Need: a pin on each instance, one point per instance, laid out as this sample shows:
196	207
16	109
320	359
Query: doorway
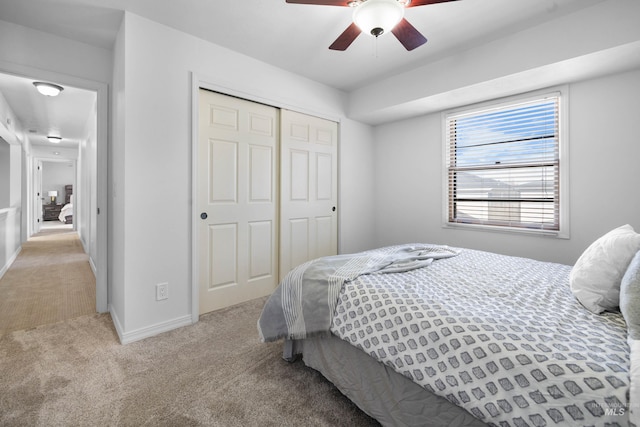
55	184
90	179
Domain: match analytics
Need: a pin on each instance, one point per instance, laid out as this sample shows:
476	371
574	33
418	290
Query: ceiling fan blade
408	35
415	3
321	2
346	38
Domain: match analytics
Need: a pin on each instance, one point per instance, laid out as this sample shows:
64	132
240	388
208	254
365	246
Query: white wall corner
116	323
149	331
10	261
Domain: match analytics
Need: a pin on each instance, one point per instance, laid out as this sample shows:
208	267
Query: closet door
308	189
237	232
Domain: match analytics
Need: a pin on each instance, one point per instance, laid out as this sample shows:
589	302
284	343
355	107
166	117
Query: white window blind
503	165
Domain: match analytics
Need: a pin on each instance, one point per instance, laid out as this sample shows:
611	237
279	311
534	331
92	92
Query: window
503	166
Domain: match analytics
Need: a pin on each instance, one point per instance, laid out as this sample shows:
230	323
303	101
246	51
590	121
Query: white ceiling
290	36
296	37
65	115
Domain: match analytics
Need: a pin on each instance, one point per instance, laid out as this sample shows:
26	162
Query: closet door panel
297	244
298	175
223	171
308	189
236	191
261	170
261	240
324	178
223	241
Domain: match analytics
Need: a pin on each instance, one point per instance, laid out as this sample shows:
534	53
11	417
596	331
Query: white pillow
630	300
596	276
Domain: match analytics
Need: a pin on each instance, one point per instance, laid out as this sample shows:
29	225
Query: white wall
16	155
357	193
604	156
12	139
151	157
85	199
11	156
591	42
117	226
10	211
9	237
43	51
604	151
5	174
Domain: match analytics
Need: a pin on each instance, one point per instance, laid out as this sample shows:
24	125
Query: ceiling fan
377	17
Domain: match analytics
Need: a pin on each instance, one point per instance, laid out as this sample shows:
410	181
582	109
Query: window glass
503	165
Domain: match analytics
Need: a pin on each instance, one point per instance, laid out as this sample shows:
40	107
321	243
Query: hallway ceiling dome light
54	139
377	17
48	89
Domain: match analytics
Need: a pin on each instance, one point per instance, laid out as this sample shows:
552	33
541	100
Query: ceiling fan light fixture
377	17
54	139
48	89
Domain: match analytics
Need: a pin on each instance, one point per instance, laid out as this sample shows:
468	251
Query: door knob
333	209
203	215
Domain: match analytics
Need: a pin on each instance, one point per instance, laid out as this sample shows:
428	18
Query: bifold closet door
237	232
308	189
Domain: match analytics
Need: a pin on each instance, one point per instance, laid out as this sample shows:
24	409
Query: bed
66	214
426	334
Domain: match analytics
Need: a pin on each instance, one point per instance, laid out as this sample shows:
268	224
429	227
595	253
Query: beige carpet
50	280
213	373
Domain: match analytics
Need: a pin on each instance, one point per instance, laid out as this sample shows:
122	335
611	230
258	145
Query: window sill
507	230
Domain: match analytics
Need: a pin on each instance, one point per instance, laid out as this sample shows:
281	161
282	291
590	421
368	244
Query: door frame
102	137
205	82
40	161
36	198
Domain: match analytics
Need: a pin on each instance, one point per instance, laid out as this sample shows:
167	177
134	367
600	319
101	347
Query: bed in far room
423	334
66	214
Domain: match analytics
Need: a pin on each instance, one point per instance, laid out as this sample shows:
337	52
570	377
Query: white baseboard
149	331
10	261
116	322
93	267
85	247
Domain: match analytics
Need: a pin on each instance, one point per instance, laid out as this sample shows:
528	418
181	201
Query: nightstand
51	212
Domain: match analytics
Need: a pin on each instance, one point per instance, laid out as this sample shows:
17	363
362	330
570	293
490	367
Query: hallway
50	281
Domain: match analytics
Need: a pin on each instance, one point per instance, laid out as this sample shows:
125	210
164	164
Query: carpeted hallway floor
50	281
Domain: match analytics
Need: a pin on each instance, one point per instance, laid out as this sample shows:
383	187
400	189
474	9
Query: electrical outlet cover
162	291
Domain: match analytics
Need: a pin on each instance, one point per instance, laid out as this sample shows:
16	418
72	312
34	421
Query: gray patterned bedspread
305	301
502	337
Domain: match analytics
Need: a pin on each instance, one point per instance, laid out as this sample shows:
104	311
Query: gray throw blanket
304	302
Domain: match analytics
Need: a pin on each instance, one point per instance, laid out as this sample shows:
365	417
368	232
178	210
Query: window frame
562	92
